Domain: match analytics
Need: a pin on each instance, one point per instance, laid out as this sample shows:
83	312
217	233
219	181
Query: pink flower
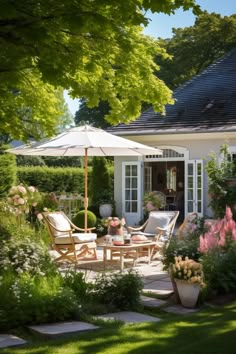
21	201
228	213
40	216
31	189
22	190
149	206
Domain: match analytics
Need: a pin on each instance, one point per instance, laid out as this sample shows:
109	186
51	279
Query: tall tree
93	116
194	48
93	48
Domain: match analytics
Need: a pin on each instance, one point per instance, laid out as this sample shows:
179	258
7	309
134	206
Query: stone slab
128	317
62	328
161	288
180	310
8	340
152	302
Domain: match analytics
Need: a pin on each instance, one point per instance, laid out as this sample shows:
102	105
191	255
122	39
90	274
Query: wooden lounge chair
70	246
159	227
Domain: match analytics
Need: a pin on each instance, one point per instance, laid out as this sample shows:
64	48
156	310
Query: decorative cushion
147	234
60	223
159	219
78	238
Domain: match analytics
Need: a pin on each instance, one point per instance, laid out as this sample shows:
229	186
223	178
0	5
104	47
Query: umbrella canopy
85	141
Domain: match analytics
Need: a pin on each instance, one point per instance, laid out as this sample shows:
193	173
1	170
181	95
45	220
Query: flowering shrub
22	198
34	299
221	234
218	248
152	201
220	193
187	270
20	256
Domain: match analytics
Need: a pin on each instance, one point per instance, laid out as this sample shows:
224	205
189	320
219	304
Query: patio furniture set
73	244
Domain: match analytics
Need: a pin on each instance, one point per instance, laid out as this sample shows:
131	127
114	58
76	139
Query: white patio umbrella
85	141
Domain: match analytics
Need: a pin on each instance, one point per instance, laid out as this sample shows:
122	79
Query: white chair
70	246
160	224
159	227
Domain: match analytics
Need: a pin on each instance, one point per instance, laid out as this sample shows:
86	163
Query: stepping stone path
161	288
152	302
63	328
180	310
128	317
8	340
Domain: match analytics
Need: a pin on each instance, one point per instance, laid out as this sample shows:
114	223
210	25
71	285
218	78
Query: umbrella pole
86	190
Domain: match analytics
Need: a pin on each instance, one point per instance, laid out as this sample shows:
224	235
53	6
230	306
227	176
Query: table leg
104	257
121	260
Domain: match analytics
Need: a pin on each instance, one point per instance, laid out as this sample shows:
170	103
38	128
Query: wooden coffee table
135	248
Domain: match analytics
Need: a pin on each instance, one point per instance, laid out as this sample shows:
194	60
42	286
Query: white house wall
199	146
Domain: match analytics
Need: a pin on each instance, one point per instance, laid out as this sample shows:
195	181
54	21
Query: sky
161	25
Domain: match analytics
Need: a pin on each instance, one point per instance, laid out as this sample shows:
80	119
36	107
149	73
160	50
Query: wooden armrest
80	229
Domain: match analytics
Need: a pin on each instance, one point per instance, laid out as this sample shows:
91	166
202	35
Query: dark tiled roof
205	103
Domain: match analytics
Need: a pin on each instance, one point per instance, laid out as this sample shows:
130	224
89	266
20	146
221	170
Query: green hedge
7	172
53	179
49	179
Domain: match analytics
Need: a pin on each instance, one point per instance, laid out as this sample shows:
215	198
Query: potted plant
114	225
153	201
188	276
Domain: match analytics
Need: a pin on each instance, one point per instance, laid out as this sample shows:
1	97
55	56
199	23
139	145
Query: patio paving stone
152	302
8	340
62	328
128	317
161	288
180	310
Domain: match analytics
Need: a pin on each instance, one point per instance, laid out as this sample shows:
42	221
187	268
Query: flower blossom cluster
114	222
187	270
152	201
219	233
21	198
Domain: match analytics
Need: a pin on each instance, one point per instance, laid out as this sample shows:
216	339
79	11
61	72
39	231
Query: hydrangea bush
25	255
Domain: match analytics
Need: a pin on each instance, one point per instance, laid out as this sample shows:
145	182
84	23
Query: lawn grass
210	331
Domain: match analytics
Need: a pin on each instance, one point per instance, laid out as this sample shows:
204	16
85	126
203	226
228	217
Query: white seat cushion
64	239
157	220
60	223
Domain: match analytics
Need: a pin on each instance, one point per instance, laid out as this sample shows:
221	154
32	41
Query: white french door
194	187
131	191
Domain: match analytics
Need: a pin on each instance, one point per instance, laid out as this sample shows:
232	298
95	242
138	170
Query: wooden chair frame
72	251
159	232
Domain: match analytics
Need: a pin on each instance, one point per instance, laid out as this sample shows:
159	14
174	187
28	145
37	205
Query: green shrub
100	182
7	172
50	179
32	300
78	219
221	195
21	256
76	281
220	271
184	248
188	245
119	291
26	160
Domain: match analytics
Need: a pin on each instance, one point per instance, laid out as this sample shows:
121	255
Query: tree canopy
192	49
95	49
